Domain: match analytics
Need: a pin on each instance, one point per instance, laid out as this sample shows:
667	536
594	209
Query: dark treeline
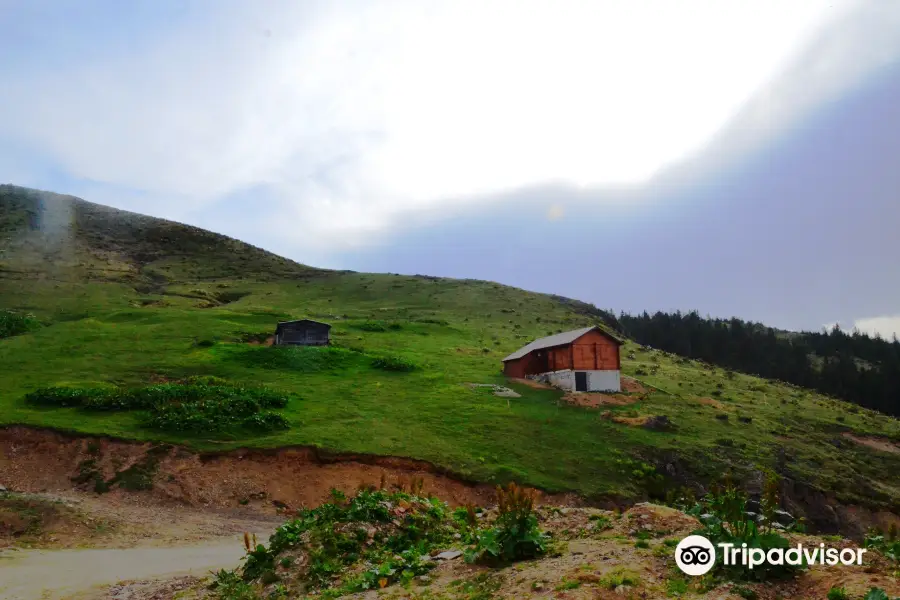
856	367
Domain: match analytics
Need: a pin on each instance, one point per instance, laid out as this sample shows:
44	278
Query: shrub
229	586
13	323
876	594
342	533
394	363
887	545
725	519
60	396
837	593
677	587
515	534
212	415
194	406
267	421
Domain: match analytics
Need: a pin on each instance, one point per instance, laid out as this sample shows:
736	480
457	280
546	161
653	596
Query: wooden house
303	332
583	360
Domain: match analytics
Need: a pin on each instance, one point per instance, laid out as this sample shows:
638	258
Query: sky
734	157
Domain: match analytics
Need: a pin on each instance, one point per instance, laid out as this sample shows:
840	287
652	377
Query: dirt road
140	539
57	574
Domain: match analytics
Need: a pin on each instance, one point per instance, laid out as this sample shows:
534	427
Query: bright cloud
353	114
886	327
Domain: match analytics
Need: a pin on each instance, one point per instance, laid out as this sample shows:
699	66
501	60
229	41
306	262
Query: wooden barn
583	360
303	332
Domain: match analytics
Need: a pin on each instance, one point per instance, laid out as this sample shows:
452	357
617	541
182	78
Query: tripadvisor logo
696	555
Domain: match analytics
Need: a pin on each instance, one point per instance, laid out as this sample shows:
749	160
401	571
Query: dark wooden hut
303	332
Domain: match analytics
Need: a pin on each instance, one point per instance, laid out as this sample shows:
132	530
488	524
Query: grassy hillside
131	300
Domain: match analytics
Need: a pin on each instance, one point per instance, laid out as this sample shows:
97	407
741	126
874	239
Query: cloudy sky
737	157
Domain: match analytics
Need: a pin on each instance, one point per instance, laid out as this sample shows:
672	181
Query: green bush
13	323
227	585
725	519
515	534
196	405
877	594
887	545
214	416
394	363
266	421
341	533
62	396
837	593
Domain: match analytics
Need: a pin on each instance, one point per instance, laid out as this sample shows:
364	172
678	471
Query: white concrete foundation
597	381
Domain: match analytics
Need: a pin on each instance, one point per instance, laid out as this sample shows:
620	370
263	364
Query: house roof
303	321
560	339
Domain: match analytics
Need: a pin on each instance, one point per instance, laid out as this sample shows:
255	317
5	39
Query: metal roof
560	339
280	323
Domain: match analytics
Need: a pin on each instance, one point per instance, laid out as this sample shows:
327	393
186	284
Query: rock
457	536
565	511
424	578
448	555
622	589
784	517
753	506
3	489
658	423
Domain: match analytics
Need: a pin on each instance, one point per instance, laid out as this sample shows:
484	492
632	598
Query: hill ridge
44	230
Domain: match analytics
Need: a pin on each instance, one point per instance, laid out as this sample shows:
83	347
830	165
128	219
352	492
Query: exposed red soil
596	400
638	421
531	383
633	386
269	341
272	481
881	444
711	402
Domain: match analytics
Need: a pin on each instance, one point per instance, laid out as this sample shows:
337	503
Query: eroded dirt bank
277	482
33	460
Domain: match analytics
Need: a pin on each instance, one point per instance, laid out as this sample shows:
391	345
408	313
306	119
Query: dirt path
142	539
57	574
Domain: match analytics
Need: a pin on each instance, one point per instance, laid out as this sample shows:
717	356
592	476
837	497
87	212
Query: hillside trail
144	542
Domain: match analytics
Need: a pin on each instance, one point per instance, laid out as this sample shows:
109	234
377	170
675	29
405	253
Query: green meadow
112	316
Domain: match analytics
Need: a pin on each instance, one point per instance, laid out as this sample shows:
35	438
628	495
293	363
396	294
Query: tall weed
515	534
